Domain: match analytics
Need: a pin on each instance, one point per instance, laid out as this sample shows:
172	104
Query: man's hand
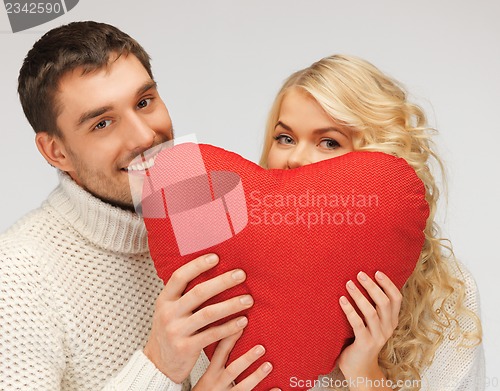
176	341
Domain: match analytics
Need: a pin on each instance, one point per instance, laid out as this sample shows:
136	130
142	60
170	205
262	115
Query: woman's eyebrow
283	125
328	129
315	131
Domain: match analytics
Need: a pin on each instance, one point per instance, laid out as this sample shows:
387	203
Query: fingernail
242	322
267	367
211	259
380	275
246	300
259	350
362	276
351	285
343	300
238	275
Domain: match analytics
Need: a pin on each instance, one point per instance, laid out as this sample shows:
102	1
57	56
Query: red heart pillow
299	234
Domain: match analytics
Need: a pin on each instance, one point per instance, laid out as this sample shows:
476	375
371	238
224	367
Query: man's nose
298	157
139	134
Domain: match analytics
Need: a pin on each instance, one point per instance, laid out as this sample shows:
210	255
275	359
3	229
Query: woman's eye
284	139
144	103
329	144
103	124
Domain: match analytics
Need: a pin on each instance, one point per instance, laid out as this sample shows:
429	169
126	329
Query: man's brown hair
87	45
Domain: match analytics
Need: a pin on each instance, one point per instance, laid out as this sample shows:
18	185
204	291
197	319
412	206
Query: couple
82	307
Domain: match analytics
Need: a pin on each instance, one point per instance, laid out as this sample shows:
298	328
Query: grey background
219	64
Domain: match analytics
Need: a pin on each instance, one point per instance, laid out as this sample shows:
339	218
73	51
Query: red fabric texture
299	234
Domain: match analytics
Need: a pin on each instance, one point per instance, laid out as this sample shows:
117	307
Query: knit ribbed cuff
140	374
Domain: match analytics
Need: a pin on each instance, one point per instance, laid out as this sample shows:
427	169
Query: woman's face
305	133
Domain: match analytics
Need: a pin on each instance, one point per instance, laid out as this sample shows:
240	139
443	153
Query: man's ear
53	150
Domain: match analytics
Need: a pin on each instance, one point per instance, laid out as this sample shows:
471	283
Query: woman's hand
218	377
360	359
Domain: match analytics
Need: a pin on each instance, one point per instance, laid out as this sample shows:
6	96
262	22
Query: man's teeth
142	166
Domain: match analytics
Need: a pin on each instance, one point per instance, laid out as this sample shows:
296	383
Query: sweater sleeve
458	368
31	335
32	342
140	374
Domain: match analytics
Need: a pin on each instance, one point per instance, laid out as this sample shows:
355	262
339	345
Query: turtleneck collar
103	224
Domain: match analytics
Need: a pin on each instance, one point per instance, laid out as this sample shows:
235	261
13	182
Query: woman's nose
298	157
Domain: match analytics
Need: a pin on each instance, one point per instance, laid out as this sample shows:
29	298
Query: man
81	306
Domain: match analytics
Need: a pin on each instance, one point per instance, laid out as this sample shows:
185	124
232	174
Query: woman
430	334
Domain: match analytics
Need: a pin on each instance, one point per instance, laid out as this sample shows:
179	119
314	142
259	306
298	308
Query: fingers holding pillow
372	326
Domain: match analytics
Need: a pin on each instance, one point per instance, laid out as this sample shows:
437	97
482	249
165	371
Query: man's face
107	118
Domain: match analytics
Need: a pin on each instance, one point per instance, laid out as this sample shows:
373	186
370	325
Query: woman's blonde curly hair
375	107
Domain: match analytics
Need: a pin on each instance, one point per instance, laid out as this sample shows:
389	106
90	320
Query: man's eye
284	139
103	124
329	144
144	103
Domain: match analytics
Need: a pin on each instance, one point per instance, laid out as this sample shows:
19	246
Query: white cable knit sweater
77	296
77	293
